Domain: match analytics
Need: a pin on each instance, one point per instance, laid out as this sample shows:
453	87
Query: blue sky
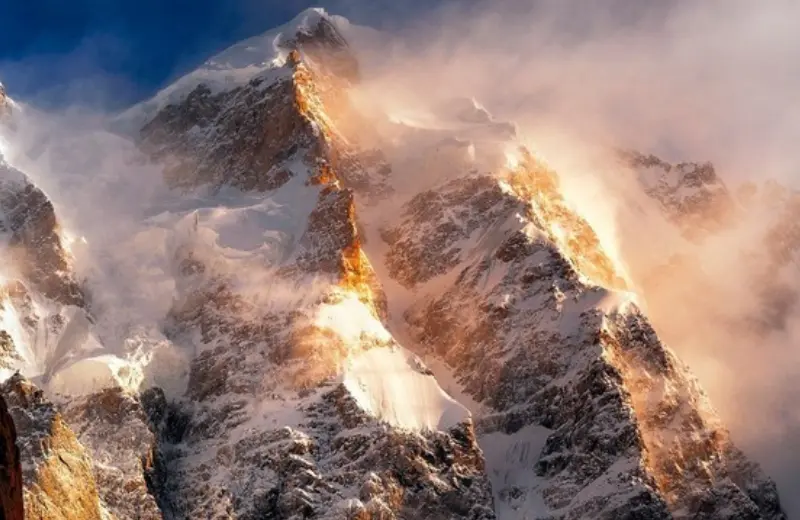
109	53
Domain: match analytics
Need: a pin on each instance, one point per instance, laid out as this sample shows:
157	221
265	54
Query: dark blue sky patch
107	54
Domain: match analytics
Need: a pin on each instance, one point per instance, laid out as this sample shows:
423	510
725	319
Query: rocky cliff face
35	244
11	507
32	238
691	194
116	434
555	352
57	471
739	275
39	288
302	331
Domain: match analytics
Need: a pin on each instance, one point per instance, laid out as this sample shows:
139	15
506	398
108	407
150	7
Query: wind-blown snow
95	373
239	225
103	190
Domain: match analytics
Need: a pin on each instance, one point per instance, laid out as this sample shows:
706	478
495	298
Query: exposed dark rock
36	246
11	507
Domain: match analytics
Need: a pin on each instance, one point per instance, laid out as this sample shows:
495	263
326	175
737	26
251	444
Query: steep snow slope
379	377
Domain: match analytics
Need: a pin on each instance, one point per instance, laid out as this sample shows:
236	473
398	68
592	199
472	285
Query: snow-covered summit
259	56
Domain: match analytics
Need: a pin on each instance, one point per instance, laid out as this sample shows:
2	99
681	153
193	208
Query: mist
707	80
687	81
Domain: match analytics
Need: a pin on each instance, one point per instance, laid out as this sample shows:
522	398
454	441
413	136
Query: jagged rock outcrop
115	430
34	241
40	299
335	463
265	382
760	221
249	136
691	195
697	200
545	346
263	378
252	155
57	472
11	507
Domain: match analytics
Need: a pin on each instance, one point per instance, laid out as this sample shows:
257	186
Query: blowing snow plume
711	81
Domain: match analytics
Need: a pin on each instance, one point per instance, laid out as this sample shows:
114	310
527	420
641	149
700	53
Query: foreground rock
57	472
11	507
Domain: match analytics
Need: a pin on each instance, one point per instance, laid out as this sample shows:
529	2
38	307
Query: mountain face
691	195
755	223
344	340
740	275
547	348
57	471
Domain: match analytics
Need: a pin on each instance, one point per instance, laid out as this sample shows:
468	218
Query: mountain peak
261	56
